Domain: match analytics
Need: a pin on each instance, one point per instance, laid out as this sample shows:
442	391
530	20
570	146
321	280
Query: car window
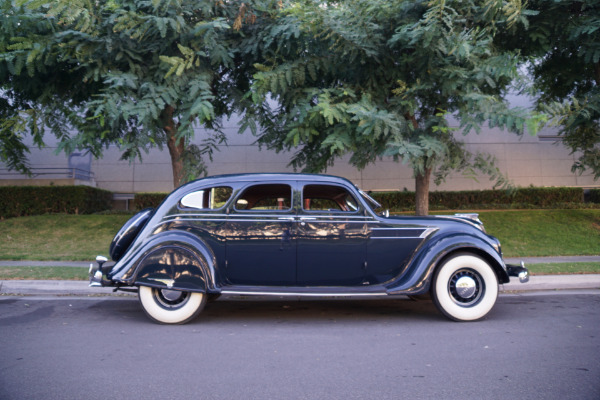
265	197
207	199
328	198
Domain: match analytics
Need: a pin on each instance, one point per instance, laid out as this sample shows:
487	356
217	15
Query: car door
260	240
332	236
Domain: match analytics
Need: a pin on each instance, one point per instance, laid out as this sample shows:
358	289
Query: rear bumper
519	271
97	273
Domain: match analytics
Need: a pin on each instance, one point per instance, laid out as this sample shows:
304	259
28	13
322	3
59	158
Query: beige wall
526	160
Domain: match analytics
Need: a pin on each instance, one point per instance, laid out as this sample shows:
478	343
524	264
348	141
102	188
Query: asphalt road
530	347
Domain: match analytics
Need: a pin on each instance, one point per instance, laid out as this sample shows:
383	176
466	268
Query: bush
148	200
560	197
594	196
485	199
20	201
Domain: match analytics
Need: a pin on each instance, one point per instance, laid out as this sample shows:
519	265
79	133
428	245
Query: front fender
421	267
175	260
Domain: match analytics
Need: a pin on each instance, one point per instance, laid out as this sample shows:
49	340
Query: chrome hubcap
170	299
466	287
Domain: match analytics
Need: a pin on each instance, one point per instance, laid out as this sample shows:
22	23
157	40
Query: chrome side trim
425	232
299	294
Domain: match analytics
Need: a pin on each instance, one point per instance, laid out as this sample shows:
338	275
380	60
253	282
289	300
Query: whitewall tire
465	288
171	306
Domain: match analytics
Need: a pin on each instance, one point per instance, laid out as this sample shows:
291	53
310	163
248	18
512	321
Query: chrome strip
396	237
345	294
427	232
399	229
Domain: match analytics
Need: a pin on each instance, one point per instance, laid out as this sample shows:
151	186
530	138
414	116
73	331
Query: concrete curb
55	288
81	288
553	282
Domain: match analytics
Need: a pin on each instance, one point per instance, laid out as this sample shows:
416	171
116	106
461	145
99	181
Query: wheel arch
424	264
172	260
497	266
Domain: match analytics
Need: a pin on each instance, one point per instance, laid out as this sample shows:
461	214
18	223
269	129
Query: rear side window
265	197
207	199
328	198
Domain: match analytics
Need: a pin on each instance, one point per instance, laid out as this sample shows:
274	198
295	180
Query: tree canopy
562	45
134	73
376	78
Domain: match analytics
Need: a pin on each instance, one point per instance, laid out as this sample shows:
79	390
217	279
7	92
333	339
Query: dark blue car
298	235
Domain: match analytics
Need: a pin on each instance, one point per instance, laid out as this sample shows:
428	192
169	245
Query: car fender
174	260
421	267
126	235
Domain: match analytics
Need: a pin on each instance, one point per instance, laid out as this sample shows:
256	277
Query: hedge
20	201
148	200
594	196
482	199
516	198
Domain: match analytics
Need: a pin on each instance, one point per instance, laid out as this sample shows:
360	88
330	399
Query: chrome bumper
519	271
96	273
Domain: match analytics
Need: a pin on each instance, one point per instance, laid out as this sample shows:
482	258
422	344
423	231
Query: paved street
530	347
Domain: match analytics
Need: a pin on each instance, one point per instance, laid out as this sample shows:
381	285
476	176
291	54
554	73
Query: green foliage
18	201
131	73
486	199
562	42
378	78
594	196
148	200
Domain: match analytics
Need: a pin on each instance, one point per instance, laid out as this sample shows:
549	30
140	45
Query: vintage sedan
298	235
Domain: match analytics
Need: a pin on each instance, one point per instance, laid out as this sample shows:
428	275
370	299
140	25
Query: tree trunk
175	148
422	192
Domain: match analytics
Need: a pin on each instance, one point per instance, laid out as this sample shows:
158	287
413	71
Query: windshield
371	201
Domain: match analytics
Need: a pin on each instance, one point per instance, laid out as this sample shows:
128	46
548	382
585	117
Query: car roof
270	177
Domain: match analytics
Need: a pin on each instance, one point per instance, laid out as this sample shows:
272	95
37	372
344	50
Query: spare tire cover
128	233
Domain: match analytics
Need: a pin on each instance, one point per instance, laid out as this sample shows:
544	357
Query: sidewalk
81	288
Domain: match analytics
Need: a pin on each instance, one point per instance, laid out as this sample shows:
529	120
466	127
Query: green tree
134	73
377	78
562	42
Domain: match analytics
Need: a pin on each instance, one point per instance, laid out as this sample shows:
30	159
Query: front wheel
465	288
171	306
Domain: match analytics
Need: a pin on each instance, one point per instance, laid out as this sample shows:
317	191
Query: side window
265	197
207	199
328	198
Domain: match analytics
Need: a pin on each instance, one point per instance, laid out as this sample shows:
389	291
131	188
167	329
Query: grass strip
58	237
523	233
44	273
564	268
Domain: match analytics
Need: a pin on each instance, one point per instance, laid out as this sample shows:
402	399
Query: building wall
527	160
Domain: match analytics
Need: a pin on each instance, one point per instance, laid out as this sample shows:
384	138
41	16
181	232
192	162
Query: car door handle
286	218
303	219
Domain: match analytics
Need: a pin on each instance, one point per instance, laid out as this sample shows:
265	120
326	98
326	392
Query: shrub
485	199
148	200
594	196
19	201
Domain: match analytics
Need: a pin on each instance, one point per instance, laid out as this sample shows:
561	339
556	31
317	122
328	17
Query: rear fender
433	254
172	260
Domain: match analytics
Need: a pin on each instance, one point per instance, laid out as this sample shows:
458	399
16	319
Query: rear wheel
465	288
171	306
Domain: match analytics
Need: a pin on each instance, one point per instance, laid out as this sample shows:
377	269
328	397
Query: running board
330	291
